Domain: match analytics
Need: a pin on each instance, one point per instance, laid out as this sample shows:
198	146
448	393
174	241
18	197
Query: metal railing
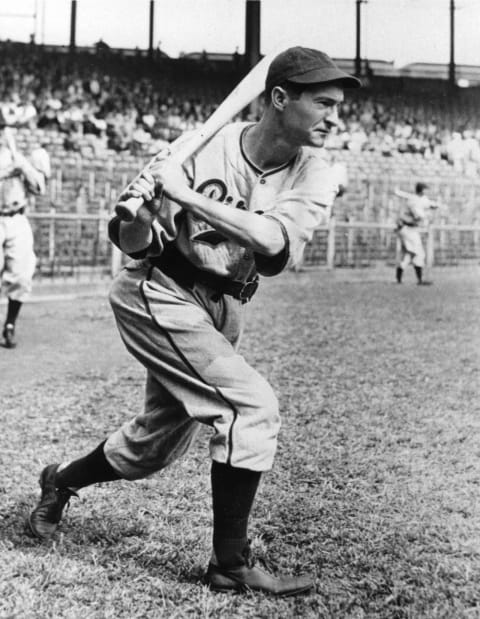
360	244
71	244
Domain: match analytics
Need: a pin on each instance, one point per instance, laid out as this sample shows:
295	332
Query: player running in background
412	218
18	179
246	203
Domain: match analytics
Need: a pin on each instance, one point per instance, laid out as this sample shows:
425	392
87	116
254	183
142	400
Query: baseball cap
304	65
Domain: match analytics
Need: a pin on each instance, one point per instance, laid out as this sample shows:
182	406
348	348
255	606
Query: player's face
310	118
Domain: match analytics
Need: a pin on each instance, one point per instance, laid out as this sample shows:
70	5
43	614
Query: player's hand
145	188
142	187
170	178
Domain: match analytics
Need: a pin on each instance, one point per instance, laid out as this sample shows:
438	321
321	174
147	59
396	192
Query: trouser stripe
192	369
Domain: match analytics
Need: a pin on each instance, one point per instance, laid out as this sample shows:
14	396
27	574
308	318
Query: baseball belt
19	211
174	264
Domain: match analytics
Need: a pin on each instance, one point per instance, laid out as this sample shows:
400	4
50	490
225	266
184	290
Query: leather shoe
250	577
9	336
45	518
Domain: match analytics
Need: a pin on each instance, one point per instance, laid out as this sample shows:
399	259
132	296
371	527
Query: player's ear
279	97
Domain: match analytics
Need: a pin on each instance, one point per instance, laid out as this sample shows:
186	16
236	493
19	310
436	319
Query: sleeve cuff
114	236
273	265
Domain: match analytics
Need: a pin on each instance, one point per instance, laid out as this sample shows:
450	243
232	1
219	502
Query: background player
248	202
18	179
412	218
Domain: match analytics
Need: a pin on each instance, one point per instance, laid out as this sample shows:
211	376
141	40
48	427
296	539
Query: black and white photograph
240	309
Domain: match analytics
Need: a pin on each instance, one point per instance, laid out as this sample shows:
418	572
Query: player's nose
332	118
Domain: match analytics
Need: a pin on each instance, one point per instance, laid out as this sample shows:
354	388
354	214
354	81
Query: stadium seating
100	119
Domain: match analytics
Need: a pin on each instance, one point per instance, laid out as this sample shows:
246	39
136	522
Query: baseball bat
250	87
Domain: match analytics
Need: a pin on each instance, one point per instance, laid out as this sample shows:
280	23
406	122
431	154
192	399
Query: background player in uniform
247	202
18	178
412	218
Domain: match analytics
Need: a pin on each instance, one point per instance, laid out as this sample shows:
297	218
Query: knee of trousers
251	438
135	453
18	289
419	260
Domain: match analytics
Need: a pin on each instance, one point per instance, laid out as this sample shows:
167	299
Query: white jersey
416	210
298	194
15	187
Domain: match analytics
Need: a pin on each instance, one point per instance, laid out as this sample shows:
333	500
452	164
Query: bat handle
127	210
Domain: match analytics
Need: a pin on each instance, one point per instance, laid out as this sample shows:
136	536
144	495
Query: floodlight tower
358	58
451	66
151	28
252	33
73	26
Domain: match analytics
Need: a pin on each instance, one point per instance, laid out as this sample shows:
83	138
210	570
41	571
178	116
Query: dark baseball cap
303	65
419	187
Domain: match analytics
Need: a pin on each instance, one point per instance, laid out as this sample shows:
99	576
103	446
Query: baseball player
245	204
18	179
413	216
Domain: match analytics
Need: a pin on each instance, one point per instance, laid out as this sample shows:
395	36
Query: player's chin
317	138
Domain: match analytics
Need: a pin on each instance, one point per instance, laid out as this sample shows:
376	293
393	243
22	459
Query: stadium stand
101	114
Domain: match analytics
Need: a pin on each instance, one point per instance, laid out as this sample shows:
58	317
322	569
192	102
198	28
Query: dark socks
399	274
418	273
12	311
233	493
92	469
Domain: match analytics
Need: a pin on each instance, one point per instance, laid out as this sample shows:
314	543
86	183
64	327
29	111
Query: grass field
375	488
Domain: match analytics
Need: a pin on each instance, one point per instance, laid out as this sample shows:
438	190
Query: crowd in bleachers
104	109
396	127
101	116
104	103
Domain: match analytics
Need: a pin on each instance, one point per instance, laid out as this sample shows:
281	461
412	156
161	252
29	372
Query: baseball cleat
249	577
9	336
424	283
44	519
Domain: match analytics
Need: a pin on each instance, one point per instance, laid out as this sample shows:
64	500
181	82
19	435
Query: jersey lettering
216	189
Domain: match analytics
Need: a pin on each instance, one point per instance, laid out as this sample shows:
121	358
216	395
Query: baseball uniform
412	218
180	307
186	334
18	178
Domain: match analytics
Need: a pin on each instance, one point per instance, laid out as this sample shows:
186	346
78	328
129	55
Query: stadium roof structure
379	68
451	71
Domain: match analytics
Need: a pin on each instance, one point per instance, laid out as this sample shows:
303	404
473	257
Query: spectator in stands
140	140
52	91
471	154
456	151
386	143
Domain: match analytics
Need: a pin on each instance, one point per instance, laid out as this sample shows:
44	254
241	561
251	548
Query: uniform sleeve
34	180
300	210
40	160
164	229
